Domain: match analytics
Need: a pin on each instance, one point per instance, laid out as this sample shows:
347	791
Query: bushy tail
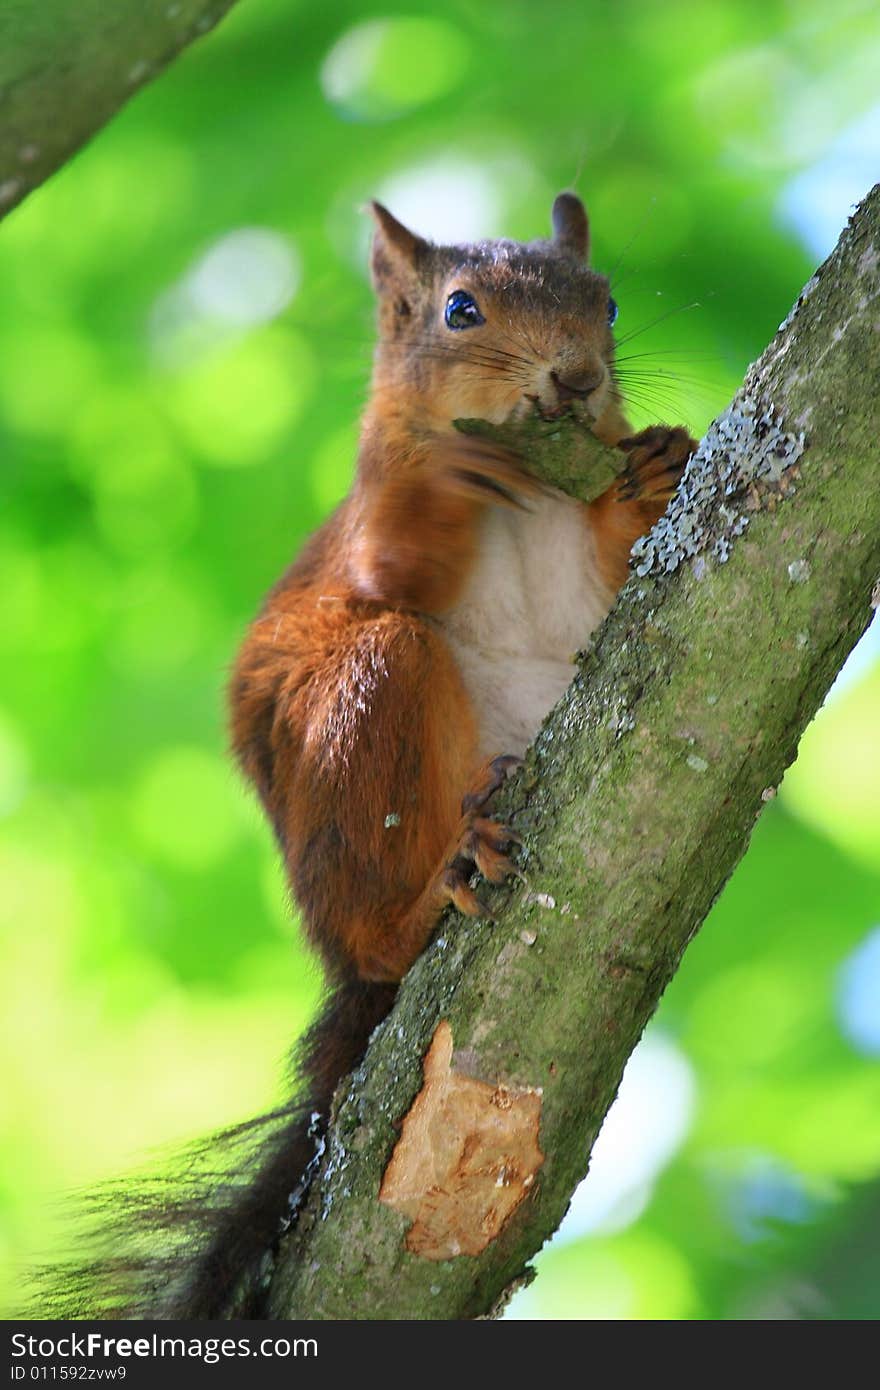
197	1243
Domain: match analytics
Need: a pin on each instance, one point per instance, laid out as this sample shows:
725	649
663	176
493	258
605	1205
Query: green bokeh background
162	459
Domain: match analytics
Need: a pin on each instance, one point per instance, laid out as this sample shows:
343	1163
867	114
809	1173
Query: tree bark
635	804
67	66
562	453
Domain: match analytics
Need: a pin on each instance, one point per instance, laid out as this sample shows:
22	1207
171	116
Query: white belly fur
533	599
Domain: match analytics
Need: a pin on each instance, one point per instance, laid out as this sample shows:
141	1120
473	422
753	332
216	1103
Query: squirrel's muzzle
577	385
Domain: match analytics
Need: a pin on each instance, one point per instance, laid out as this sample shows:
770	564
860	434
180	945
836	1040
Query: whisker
519	334
666	389
662	380
636	234
659	377
695	353
651	398
636	333
455	350
474	358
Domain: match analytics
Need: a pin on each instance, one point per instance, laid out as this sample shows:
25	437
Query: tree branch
65	69
636	802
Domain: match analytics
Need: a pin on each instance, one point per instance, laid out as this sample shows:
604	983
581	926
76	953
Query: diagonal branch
636	803
66	68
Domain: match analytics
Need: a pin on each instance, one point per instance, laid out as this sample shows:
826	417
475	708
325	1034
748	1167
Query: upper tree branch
66	67
636	803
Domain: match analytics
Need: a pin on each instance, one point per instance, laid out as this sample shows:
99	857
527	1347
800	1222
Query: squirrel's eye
462	311
612	312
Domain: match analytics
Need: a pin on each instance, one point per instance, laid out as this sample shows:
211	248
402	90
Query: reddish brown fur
348	707
351	715
369	724
349	712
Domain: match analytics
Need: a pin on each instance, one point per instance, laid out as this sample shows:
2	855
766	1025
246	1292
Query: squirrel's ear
571	228
395	248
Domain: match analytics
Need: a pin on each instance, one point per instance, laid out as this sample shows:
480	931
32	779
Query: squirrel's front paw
483	470
481	840
657	458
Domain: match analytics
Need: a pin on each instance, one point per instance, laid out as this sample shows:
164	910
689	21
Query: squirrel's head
496	329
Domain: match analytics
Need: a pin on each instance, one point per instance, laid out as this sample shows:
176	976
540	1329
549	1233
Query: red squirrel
407	658
428	627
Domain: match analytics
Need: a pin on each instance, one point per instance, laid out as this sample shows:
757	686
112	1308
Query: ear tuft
395	248
571	227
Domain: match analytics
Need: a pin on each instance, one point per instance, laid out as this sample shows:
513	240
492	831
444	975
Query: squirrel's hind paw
491	775
481	841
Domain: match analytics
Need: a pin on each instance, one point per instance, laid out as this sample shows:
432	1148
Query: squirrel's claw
491	776
481	841
459	891
658	456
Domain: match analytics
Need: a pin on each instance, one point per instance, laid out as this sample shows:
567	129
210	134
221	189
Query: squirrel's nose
577	385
